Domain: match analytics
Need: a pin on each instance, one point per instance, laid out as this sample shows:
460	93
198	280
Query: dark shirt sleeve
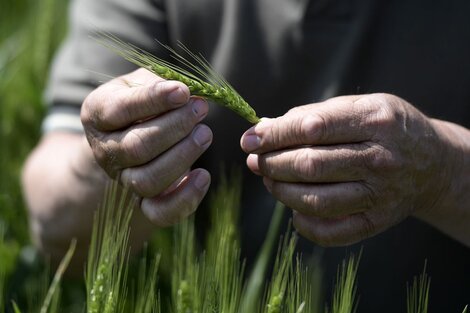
82	63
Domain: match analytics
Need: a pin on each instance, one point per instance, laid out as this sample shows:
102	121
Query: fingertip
250	142
171	208
199	106
202	135
202	180
252	163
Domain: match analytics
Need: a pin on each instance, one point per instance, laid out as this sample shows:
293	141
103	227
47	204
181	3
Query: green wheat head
201	79
107	258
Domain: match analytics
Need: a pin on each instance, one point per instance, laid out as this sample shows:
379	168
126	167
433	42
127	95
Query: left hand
350	167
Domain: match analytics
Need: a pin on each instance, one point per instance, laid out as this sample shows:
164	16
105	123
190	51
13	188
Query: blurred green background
30	32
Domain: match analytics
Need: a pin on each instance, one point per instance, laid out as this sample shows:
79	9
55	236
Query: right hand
146	132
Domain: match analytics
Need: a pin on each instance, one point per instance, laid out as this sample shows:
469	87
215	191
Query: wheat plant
418	294
205	278
195	72
344	296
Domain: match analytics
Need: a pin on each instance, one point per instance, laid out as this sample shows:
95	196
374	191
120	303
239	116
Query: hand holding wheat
144	129
147	132
352	166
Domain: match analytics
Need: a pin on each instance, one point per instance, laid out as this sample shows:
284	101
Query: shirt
282	53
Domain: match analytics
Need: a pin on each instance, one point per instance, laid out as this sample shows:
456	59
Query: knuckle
307	164
370	195
85	115
183	125
105	155
158	92
154	95
314	203
91	111
275	134
137	181
313	128
135	147
388	110
366	227
294	110
381	159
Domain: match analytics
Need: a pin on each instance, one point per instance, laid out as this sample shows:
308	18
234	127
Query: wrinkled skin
349	167
352	166
146	132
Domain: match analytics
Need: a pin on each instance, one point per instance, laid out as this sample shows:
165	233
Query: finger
332	232
170	208
323	200
151	179
175	184
307	107
319	164
116	105
331	122
143	142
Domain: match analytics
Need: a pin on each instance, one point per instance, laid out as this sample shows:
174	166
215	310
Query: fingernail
252	163
202	181
251	142
177	96
202	136
200	107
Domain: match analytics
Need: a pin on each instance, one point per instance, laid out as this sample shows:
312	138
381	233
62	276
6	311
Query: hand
350	167
146	132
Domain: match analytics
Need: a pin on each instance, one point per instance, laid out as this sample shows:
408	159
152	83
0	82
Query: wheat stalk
418	293
53	289
344	297
107	258
201	79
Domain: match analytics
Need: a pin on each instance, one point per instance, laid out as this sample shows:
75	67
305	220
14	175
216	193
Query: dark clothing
282	53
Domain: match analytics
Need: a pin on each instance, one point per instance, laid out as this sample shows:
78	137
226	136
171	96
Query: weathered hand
349	167
145	131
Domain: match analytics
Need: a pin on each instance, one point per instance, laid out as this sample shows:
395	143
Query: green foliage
29	33
16	309
9	251
253	291
2	275
148	300
51	300
277	291
199	76
345	290
107	258
202	281
418	294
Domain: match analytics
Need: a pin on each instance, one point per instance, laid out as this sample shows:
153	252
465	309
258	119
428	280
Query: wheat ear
201	79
